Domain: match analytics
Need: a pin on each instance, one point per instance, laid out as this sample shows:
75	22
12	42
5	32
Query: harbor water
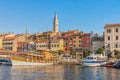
58	72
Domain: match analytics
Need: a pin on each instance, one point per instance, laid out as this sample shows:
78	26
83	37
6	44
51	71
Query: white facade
97	44
112	37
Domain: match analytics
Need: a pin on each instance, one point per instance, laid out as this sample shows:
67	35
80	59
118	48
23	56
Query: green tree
60	52
73	51
86	52
117	53
100	51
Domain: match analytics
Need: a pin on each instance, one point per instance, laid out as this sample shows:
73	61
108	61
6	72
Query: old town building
97	42
112	37
57	44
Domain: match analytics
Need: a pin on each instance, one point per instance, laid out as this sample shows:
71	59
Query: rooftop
112	25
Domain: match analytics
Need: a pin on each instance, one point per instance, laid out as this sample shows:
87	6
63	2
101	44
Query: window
79	36
57	45
66	44
79	45
37	45
74	45
74	41
108	30
116	46
108	37
54	45
116	29
116	37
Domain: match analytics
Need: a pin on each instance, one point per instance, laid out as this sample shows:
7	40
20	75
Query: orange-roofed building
13	43
57	44
69	40
10	44
112	37
42	44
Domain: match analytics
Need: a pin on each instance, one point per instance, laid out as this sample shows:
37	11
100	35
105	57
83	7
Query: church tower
55	23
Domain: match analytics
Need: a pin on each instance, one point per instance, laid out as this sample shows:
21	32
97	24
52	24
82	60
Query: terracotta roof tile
9	38
112	25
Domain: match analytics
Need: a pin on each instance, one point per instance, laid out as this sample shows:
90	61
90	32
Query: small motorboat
94	60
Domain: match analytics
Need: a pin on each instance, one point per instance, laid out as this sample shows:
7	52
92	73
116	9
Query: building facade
0	43
97	42
57	44
10	44
112	37
70	40
42	44
86	41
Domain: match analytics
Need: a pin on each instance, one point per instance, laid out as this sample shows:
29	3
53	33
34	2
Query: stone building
112	37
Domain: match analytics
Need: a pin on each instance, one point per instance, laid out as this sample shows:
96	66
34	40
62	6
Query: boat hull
5	62
19	63
93	63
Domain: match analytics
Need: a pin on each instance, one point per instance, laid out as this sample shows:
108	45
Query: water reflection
58	72
5	73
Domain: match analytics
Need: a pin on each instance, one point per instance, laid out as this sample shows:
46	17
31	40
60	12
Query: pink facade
86	41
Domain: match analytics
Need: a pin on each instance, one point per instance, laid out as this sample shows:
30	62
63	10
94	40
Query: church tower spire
55	23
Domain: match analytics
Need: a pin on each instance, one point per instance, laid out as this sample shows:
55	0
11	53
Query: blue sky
85	15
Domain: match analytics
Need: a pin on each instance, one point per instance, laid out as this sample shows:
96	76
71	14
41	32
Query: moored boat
5	60
94	60
33	59
116	64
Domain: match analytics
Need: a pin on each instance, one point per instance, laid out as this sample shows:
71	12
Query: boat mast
26	40
26	35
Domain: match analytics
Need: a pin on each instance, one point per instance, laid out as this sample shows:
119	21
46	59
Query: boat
94	60
116	64
5	60
109	64
45	58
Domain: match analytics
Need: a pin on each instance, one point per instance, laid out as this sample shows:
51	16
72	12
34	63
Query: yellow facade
77	42
57	44
0	43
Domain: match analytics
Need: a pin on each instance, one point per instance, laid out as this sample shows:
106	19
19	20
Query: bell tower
55	23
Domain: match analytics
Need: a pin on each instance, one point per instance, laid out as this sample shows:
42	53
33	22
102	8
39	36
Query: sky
38	15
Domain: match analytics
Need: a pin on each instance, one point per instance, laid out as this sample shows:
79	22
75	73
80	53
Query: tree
100	51
60	52
73	51
117	53
86	52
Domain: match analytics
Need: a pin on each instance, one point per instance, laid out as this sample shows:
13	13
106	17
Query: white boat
5	60
33	59
25	63
94	60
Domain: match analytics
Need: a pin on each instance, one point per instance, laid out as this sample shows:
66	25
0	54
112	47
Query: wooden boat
45	58
109	64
